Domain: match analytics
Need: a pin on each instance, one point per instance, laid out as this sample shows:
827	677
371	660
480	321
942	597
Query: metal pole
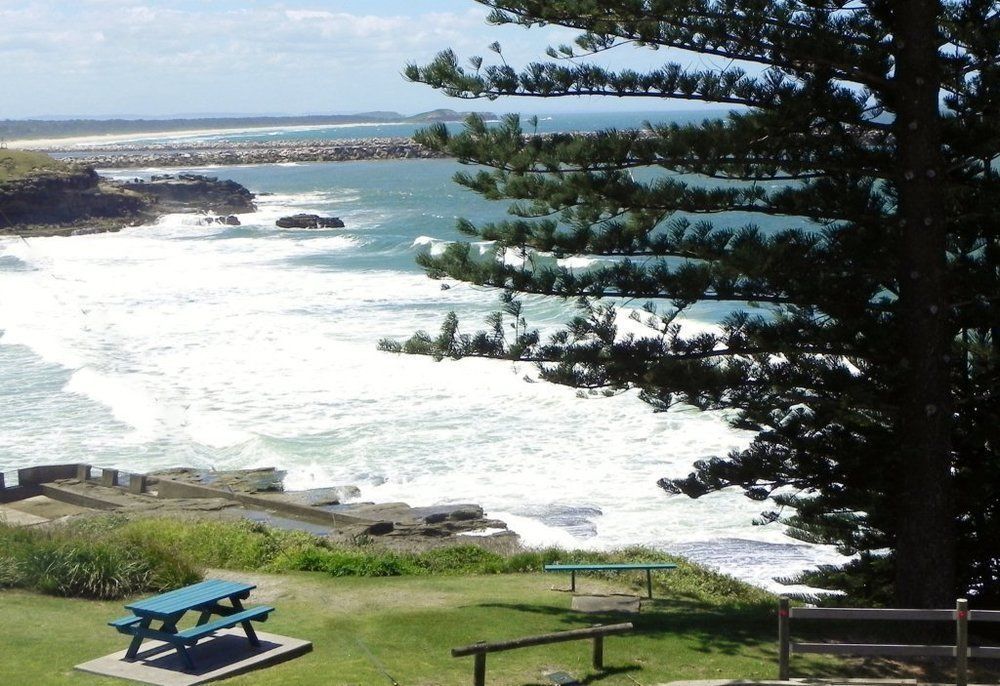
783	631
962	642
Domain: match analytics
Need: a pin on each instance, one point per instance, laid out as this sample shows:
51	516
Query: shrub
461	559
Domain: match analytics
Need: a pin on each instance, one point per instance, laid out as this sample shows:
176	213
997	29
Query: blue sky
157	58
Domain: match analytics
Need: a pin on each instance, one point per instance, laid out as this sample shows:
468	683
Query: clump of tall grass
89	560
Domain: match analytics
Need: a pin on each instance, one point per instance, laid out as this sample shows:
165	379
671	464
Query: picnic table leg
182	651
649	583
251	634
133	647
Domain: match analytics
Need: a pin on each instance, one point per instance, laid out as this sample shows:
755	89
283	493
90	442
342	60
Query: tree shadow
731	632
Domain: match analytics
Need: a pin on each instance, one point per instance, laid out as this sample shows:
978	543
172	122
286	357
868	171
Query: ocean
223	347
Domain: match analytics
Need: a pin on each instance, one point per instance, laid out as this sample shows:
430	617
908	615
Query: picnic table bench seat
648	567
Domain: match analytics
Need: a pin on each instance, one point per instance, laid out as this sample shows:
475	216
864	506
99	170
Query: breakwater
201	153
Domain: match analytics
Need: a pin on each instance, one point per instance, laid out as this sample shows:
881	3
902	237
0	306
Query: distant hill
12	129
445	115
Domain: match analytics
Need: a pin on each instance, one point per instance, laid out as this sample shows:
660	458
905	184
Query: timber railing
961	650
597	633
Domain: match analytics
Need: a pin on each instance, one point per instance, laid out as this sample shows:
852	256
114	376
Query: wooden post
479	670
961	642
649	583
598	652
783	636
572	582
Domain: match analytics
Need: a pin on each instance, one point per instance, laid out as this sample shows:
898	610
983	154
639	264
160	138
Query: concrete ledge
15	493
225	654
34	476
168	488
67	495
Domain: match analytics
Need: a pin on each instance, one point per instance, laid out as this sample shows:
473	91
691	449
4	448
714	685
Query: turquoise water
221	347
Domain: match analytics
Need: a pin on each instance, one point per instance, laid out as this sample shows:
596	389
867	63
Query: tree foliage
864	340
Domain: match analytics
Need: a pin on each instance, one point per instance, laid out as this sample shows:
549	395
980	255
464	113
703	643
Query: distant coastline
111	155
35	133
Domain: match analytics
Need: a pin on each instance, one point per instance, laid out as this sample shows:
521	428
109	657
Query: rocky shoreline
205	153
336	513
76	200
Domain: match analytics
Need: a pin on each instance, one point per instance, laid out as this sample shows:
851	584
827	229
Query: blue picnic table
208	598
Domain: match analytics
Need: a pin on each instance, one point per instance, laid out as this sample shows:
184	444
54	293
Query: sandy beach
68	143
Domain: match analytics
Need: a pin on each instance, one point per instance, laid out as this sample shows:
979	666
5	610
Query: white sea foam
227	347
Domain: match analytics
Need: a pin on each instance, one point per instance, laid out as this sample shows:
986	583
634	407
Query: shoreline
230	153
71	142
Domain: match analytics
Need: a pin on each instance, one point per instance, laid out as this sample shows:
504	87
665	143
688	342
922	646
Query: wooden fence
597	633
961	650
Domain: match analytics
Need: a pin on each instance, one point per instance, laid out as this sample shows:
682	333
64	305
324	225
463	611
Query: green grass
15	164
408	626
368	610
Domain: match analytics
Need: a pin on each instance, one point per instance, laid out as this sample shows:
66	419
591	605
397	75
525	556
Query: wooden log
558	637
912	650
783	639
961	642
984	615
860	613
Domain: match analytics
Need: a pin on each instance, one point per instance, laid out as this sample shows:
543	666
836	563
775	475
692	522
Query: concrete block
225	654
167	488
109	477
2	486
83	472
137	483
32	476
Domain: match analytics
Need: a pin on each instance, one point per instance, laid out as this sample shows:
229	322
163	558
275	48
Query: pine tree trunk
925	542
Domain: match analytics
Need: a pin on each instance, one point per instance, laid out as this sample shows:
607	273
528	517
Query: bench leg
185	656
133	647
251	634
572	581
649	583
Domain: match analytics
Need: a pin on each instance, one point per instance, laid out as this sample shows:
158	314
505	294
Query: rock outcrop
191	192
78	200
309	221
66	197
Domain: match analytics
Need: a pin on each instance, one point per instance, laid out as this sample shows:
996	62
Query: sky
153	58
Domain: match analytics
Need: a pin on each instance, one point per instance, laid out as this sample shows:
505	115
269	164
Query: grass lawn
406	626
16	163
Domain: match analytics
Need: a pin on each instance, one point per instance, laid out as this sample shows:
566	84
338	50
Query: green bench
648	567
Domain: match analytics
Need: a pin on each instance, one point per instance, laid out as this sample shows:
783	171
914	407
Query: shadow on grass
742	630
594	678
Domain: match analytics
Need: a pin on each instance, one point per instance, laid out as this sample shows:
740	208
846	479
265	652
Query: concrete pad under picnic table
225	654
